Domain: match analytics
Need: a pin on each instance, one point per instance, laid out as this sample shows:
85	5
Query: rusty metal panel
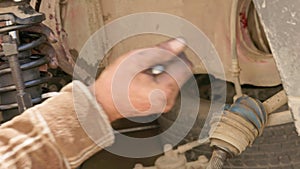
281	20
212	17
80	19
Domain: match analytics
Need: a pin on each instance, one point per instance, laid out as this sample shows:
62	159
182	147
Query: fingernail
181	40
177	44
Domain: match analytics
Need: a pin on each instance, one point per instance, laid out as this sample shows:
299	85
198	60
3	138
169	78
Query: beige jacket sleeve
51	135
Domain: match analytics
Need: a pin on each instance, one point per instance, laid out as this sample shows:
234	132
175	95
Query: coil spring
29	64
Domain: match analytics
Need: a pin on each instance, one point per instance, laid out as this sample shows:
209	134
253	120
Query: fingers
128	72
176	74
174	77
149	57
167	51
175	46
178	71
184	58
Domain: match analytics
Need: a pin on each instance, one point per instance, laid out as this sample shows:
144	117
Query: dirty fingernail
177	45
181	40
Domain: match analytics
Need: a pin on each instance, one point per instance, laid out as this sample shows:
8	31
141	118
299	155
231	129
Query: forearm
50	135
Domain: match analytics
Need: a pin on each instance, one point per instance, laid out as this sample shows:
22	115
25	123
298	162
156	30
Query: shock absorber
20	84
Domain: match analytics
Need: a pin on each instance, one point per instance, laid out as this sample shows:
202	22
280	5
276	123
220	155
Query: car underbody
257	43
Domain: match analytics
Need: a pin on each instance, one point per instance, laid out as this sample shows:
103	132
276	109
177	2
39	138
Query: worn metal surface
172	160
212	17
275	102
11	51
281	20
54	20
23	13
80	19
217	160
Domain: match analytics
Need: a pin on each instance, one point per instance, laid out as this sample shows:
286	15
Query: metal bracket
281	21
10	50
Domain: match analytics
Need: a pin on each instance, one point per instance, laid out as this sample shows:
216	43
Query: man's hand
127	88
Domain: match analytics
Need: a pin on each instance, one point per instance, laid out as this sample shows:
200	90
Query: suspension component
19	61
10	50
217	159
172	159
245	120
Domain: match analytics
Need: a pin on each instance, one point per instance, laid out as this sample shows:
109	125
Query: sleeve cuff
77	123
91	116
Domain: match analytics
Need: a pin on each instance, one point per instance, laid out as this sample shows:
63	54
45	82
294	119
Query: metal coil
29	65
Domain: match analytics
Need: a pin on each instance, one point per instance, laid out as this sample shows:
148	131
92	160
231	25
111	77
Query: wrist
104	103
